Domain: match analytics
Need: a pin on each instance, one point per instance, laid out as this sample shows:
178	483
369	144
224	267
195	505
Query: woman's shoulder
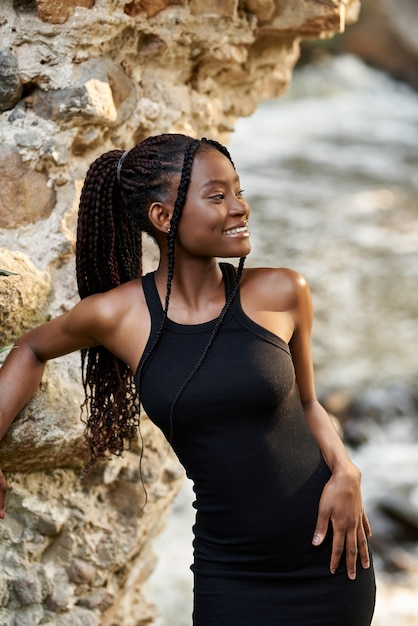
279	288
274	278
110	307
117	319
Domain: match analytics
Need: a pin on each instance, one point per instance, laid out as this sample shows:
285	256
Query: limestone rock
263	9
10	83
149	7
48	432
310	19
23	297
90	103
217	8
95	542
26	194
98	89
58	11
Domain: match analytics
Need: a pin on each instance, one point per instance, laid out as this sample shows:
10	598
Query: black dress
240	432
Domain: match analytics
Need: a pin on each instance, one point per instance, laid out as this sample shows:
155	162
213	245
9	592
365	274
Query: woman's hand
341	505
3	489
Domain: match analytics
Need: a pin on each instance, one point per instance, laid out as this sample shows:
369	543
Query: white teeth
234	231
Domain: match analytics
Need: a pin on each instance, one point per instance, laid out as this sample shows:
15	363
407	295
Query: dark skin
213	224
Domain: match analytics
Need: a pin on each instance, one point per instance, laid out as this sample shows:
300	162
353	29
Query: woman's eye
218	196
240	193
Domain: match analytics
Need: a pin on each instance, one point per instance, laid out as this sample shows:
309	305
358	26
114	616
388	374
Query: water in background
331	174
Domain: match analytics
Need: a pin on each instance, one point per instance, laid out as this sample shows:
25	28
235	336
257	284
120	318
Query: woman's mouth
240	230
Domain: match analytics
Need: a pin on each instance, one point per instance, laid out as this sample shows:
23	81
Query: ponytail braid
108	253
108	250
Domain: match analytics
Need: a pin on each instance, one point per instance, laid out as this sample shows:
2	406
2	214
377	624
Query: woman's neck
197	291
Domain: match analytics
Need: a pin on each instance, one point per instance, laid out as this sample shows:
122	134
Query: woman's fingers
322	522
339	542
351	554
363	546
366	526
354	540
350	528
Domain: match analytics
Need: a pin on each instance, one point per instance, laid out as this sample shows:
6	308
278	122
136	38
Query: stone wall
77	78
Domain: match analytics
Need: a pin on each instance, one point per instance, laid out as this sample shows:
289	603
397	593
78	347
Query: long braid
214	332
108	250
175	218
108	253
178	208
181	198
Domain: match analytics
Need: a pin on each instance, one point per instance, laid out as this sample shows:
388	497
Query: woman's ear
159	215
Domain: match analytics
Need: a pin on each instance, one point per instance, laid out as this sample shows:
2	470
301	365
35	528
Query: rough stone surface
27	195
24	295
214	8
70	544
76	551
58	11
50	424
10	82
149	7
263	9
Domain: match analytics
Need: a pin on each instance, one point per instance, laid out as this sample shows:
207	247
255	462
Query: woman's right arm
22	370
110	319
19	379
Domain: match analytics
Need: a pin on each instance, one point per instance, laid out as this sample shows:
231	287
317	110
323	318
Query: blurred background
331	174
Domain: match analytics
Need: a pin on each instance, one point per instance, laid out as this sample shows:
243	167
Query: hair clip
120	163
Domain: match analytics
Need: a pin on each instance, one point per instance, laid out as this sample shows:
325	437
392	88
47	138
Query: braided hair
113	214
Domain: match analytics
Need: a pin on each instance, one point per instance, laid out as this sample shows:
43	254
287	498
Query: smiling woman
220	359
215	214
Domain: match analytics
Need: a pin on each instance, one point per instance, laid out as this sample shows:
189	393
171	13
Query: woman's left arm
341	501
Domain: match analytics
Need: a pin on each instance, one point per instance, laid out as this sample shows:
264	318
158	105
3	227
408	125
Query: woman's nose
239	206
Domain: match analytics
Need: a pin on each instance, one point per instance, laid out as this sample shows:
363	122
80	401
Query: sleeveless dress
239	430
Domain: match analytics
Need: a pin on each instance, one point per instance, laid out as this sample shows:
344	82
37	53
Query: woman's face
215	216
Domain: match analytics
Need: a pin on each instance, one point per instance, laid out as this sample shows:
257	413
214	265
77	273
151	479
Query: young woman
220	359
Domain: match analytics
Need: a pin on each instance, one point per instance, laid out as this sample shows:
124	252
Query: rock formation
78	78
386	37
